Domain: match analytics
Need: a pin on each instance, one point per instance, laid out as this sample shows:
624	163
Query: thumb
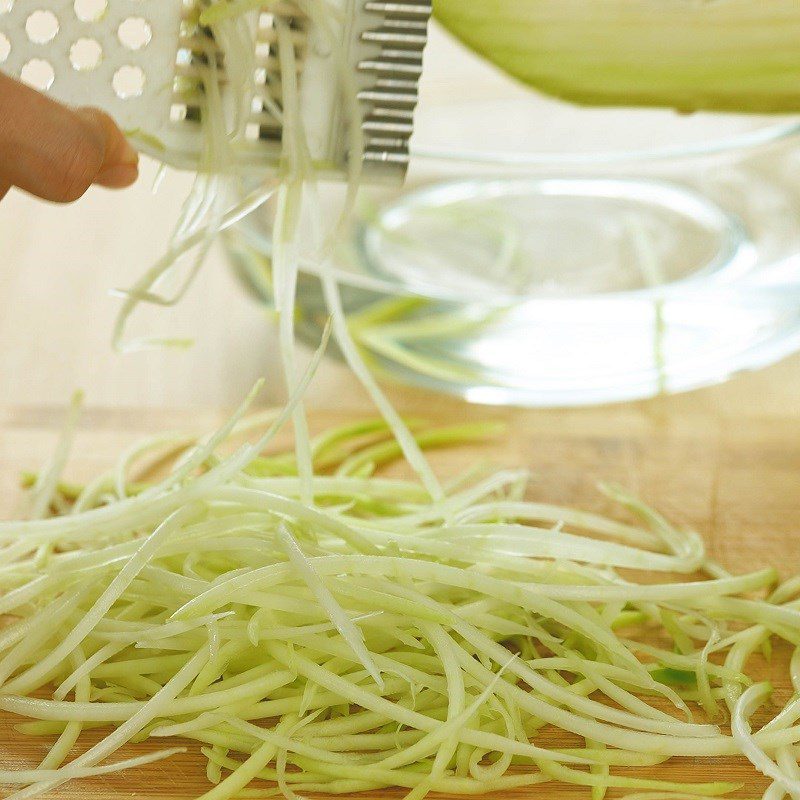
56	152
120	161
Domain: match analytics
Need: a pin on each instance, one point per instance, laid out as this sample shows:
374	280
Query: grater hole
5	47
183	112
41	27
90	10
38	73
135	33
177	112
85	55
128	82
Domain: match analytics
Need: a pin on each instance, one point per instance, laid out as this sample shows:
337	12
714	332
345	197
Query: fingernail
119	151
117	176
128	156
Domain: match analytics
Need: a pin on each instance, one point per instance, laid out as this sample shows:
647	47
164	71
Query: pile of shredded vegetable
373	635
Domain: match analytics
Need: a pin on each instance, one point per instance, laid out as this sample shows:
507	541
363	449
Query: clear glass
541	254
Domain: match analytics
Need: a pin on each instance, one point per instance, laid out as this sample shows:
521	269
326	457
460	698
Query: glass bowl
541	254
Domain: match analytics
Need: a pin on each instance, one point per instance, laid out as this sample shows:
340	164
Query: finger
120	161
56	152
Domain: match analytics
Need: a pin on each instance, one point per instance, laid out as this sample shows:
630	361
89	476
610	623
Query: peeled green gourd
721	55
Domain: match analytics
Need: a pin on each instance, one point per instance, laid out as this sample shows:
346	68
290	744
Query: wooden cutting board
737	483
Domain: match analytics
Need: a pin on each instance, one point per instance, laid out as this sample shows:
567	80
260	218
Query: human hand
56	152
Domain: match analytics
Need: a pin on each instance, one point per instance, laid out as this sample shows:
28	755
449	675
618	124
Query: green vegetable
375	635
691	55
675	677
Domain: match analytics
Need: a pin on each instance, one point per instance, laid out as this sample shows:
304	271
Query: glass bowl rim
746	141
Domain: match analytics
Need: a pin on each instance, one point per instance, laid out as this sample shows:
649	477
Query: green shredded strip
675	677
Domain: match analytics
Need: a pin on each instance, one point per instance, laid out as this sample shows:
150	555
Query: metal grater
140	60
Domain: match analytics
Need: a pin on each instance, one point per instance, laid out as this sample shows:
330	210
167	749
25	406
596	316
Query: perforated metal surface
119	54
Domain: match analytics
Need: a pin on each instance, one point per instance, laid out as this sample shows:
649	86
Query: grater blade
144	62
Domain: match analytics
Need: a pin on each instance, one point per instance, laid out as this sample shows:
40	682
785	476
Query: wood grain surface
737	483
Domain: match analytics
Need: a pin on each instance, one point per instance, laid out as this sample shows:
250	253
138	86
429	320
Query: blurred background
59	263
